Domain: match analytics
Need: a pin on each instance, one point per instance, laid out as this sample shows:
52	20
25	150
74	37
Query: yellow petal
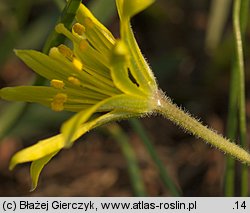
36	168
120	72
39	150
137	63
99	36
41	64
129	8
38	94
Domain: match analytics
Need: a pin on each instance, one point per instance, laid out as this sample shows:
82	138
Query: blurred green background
189	45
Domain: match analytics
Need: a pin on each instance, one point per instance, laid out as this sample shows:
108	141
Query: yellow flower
100	74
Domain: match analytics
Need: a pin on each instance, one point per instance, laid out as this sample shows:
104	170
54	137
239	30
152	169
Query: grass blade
232	121
238	4
168	182
216	22
128	152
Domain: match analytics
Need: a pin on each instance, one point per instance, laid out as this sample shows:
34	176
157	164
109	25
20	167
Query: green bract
95	76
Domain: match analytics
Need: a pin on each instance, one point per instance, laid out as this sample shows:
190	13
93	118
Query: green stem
167	181
128	152
67	17
244	14
166	108
231	132
241	79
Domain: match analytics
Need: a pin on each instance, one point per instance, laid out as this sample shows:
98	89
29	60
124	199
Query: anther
58	84
65	51
74	81
53	52
58	102
57	106
79	29
77	64
60	97
60	28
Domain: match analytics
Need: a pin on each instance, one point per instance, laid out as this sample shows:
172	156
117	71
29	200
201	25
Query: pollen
60	97
58	102
58	84
57	106
74	81
77	64
65	51
79	29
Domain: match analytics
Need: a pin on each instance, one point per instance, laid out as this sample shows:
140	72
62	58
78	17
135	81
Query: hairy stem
169	110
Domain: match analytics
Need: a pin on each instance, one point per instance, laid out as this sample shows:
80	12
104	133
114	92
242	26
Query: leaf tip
33	187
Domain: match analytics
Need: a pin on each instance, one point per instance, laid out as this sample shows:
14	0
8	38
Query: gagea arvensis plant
99	74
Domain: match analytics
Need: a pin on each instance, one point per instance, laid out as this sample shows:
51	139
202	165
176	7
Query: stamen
79	29
60	97
53	52
74	81
65	51
56	54
77	64
57	106
58	102
60	28
58	84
